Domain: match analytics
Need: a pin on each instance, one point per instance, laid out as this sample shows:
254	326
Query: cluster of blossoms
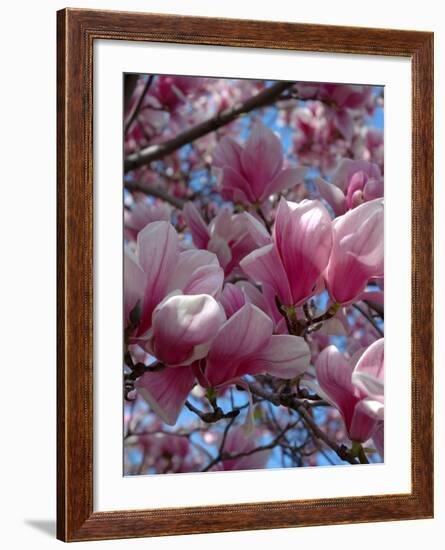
254	300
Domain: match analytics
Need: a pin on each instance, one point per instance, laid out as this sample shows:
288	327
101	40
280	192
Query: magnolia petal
264	266
303	238
357	252
332	195
134	283
334	374
180	324
286	357
189	261
262	158
197	226
256	229
248	331
233	186
368	375
363	423
286	179
157	250
346	169
227	152
345	124
207	279
166	391
232	299
219	246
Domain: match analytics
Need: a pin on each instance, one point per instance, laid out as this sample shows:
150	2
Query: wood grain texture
77	30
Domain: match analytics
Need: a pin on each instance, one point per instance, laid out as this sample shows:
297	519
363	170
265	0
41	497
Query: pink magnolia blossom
164	452
252	173
353	182
357	251
368	378
234	296
343	101
293	263
316	142
245	344
356	392
158	268
172	91
182	328
228	235
141	215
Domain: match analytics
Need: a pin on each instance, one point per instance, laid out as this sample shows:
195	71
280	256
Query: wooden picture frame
76	31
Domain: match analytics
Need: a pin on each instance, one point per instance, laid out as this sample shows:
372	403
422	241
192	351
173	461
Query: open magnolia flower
252	173
356	392
228	235
357	251
182	328
353	182
158	268
294	261
244	344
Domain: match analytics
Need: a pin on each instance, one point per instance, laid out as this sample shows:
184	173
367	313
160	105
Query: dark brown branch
378	308
369	317
134	113
214	416
160	150
130	81
154	191
295	404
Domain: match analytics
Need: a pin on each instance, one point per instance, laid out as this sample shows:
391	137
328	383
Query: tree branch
130	81
160	150
134	113
369	318
154	191
295	404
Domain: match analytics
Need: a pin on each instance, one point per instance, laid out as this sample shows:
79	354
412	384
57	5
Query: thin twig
291	402
369	318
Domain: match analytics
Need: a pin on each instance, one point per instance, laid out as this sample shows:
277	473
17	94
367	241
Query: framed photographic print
245	211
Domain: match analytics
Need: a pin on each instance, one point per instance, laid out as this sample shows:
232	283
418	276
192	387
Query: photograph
253	274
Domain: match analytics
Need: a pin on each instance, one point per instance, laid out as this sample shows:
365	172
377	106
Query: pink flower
353	182
356	392
344	100
252	173
368	378
357	251
234	296
158	268
182	328
293	263
141	215
244	344
227	235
